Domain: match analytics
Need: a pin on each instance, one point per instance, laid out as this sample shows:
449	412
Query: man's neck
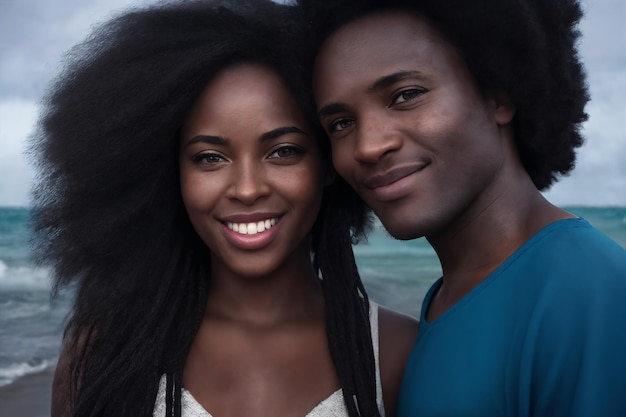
482	239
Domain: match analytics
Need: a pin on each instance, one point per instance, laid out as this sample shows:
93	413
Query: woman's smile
252	228
252	235
251	174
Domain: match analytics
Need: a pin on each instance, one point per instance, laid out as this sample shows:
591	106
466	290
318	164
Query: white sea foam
12	372
24	277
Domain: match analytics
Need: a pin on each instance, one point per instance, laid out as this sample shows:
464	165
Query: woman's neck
292	293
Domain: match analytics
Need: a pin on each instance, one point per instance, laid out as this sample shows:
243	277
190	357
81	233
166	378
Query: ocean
397	274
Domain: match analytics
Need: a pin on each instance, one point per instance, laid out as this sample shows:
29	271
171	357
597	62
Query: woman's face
250	173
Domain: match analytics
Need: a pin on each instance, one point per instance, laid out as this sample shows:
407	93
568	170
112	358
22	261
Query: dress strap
375	348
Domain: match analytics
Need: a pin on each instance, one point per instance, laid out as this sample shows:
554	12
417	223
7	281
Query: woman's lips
252	228
251	232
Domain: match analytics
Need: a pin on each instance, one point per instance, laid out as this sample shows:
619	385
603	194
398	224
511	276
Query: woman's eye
407	95
208	158
339	125
285	152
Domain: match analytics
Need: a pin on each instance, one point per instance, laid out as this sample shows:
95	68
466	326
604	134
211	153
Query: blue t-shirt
543	335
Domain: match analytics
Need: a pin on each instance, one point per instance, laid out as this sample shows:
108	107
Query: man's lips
393	175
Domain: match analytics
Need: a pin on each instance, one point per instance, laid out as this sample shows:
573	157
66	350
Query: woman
184	192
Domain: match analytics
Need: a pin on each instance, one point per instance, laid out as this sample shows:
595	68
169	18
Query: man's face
410	131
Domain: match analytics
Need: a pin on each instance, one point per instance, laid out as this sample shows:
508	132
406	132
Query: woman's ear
504	109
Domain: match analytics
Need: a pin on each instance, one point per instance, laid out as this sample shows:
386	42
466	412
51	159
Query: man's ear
504	109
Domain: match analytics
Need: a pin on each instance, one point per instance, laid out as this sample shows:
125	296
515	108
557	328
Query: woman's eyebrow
219	140
275	133
211	140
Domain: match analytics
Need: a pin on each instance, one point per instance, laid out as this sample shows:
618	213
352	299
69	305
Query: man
449	118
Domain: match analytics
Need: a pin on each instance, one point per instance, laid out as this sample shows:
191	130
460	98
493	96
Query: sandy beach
28	396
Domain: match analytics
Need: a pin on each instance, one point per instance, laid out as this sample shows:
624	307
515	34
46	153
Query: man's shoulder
574	244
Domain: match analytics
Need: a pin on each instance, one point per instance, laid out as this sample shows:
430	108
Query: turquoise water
30	324
397	274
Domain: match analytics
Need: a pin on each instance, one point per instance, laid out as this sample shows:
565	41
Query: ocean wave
12	372
393	251
24	277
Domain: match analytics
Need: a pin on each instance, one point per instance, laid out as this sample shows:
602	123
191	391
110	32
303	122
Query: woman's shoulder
397	336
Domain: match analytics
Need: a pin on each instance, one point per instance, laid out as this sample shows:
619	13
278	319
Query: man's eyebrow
275	133
382	82
390	79
332	108
211	140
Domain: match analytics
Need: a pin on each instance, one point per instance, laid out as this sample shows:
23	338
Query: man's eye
341	124
407	95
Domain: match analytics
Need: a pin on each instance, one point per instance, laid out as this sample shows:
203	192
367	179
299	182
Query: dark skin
430	153
472	249
397	334
263	338
262	347
61	398
257	343
235	355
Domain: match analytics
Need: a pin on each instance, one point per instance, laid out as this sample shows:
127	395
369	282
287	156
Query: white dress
332	406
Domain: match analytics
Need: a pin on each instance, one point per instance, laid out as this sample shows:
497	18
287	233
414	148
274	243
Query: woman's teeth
252	228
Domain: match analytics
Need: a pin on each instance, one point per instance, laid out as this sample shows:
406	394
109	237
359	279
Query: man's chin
400	230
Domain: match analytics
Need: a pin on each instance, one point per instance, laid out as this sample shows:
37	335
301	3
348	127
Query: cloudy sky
34	34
